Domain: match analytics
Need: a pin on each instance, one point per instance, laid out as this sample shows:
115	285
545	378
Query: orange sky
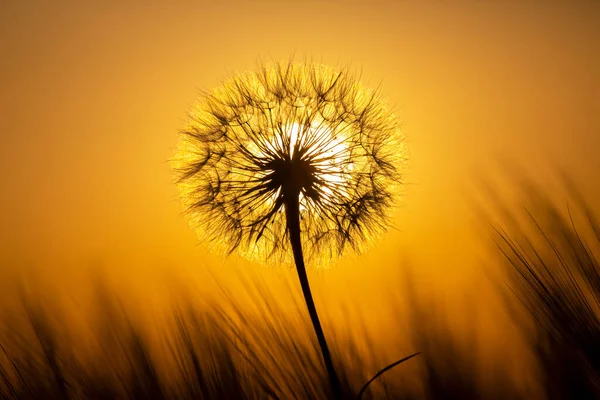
93	96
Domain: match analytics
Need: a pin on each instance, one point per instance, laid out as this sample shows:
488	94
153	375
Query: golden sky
93	94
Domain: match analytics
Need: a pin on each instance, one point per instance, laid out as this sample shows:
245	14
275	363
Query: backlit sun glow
289	130
326	150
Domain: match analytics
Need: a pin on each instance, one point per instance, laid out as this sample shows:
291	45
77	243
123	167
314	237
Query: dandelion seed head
290	131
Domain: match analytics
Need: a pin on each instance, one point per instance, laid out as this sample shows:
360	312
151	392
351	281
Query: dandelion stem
292	210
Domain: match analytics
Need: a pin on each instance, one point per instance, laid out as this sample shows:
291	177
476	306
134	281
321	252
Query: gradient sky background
93	94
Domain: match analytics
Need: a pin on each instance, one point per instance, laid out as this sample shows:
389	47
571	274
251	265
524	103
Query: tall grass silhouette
555	273
223	351
297	161
218	352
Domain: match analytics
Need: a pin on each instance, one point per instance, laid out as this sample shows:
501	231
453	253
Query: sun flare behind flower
290	130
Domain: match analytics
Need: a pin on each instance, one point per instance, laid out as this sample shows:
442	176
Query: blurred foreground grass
225	352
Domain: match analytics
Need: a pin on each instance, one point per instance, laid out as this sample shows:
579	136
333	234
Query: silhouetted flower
290	131
292	157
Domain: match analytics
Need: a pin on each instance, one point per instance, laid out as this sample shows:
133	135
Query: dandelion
294	160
